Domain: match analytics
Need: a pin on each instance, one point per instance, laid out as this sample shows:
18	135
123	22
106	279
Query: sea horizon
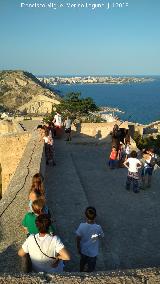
97	75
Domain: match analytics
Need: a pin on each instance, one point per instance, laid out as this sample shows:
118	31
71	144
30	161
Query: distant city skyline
81	41
94	75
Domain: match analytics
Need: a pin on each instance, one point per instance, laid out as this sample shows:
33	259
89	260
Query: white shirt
127	150
68	123
45	138
58	119
48	140
50	245
133	164
89	234
148	161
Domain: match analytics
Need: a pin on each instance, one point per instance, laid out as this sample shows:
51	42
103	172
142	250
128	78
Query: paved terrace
130	221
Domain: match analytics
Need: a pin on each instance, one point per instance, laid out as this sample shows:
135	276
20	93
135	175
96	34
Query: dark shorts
49	151
113	163
146	171
26	264
68	130
87	263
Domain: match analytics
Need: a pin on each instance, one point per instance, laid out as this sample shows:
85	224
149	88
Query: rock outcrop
22	91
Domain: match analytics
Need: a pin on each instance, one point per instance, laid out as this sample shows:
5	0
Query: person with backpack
149	160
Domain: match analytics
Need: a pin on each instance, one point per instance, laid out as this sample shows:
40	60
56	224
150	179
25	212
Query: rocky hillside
22	91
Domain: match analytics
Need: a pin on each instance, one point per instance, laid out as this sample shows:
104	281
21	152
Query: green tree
76	107
147	142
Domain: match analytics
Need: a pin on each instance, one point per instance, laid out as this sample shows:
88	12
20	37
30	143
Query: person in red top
113	158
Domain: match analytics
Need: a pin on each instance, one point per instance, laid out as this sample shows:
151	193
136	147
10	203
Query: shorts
68	130
87	263
112	163
146	171
133	175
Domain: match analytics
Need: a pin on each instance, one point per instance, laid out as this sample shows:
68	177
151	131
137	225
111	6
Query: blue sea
139	101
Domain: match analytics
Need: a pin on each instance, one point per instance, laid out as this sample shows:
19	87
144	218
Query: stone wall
14	203
22	118
12	147
139	128
96	130
9	126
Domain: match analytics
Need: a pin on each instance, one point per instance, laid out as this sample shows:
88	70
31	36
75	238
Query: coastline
120	80
109	83
138	102
106	109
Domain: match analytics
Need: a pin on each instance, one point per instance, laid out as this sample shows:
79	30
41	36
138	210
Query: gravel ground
147	276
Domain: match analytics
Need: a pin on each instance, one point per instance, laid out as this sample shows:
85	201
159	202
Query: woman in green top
28	221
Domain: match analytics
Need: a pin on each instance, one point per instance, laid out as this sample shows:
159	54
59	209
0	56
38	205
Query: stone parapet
9	127
96	130
12	147
138	276
14	203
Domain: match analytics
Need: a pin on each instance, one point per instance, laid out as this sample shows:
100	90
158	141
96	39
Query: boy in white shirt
133	165
88	235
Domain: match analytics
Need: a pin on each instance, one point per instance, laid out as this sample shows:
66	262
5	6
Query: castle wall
96	130
8	126
12	147
14	203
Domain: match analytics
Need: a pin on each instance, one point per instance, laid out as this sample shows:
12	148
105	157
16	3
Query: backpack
153	162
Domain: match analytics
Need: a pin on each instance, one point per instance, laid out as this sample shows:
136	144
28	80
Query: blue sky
81	40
